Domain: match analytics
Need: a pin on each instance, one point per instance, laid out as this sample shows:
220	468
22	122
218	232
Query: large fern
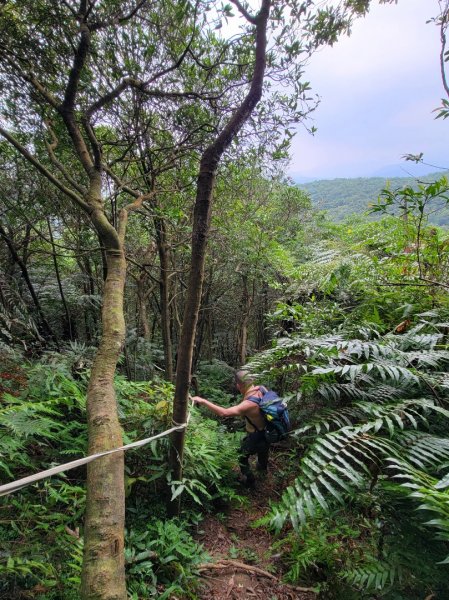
383	410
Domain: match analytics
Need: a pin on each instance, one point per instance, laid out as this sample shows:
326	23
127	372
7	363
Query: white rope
14	486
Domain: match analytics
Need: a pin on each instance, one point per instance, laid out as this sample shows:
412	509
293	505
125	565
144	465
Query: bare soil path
243	565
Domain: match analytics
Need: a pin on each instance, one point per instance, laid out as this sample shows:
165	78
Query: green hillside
343	197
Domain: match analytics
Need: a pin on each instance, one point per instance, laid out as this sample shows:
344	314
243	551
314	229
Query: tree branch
443	27
117	20
35	83
44	171
123	216
244	12
142	87
254	93
96	148
79	61
51	147
120	184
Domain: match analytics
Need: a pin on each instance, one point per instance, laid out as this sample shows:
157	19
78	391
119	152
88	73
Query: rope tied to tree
17	485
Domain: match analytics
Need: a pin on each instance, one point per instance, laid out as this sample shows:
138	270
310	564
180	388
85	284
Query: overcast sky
378	89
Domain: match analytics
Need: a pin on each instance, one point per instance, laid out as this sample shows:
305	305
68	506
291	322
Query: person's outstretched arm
232	411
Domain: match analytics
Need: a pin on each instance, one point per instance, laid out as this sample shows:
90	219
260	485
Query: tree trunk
103	576
201	224
262	310
142	299
90	312
45	329
246	304
164	285
203	319
68	327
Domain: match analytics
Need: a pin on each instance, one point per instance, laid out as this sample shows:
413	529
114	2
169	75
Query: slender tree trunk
201	328
45	328
142	299
201	224
246	308
103	576
262	310
58	279
26	244
90	312
210	336
164	259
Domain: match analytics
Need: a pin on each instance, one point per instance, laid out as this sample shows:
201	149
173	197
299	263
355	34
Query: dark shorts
254	443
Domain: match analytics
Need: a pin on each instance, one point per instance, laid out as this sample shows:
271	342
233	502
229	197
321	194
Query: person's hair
243	377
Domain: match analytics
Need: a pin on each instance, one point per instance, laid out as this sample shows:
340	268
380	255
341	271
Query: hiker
255	442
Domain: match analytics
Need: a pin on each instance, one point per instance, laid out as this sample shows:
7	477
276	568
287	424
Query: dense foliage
358	345
42	423
116	109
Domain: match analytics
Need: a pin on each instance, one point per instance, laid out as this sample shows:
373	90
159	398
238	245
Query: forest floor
242	564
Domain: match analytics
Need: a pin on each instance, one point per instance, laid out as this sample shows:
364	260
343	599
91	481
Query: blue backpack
275	412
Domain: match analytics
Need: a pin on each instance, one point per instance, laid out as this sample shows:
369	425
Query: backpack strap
256	400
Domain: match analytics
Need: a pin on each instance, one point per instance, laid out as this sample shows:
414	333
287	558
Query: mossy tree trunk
103	573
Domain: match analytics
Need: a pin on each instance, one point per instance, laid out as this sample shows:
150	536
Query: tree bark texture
103	576
164	286
201	224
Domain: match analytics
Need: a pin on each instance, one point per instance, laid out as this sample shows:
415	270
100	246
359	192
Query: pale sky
378	89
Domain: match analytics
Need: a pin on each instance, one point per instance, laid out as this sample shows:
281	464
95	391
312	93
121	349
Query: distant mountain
405	169
304	179
343	197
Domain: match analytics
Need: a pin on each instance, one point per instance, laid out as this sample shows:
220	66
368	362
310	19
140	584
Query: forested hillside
209	388
345	197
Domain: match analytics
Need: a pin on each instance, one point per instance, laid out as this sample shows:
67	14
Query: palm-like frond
338	463
374	575
389	417
433	494
385	397
424	450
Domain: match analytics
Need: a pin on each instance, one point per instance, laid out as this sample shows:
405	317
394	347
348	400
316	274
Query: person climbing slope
256	405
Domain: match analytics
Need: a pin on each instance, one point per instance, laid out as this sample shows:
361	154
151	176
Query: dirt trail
242	565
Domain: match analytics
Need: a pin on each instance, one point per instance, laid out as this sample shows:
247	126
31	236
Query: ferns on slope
384	411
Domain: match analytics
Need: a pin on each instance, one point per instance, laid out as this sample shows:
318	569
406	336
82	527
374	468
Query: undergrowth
42	423
374	428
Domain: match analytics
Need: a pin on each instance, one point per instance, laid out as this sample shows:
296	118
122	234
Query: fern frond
28	423
376	575
428	490
386	370
425	450
430	359
375	391
362	349
338	463
386	416
14	313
